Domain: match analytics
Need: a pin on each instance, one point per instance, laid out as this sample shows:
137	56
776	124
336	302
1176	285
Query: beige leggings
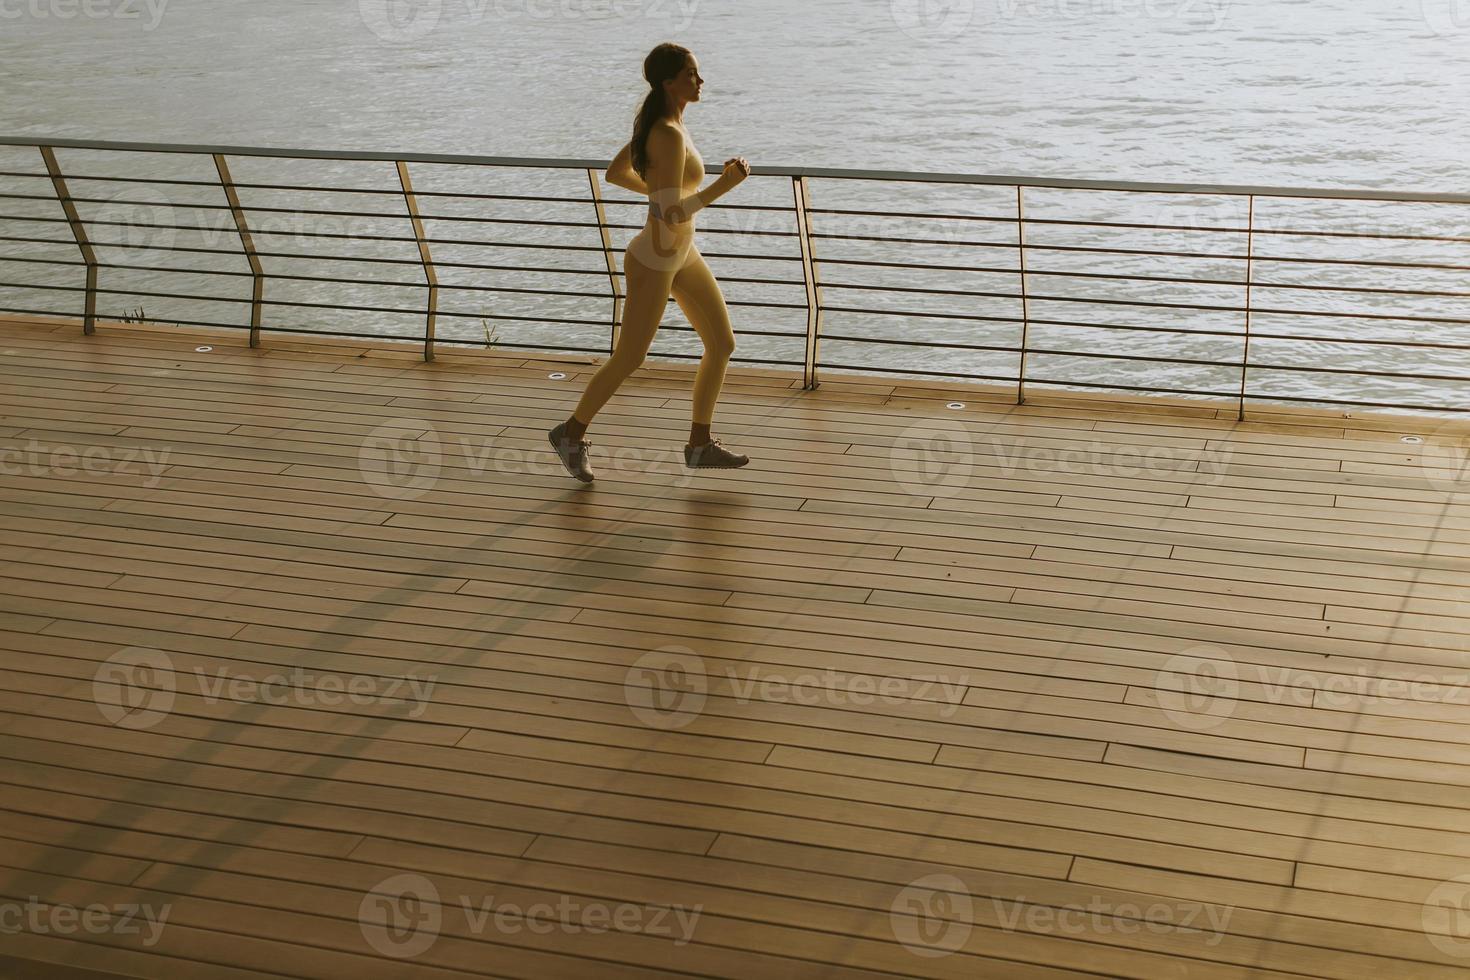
698	294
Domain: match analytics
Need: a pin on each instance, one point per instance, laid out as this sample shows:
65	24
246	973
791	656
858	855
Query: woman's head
673	68
673	77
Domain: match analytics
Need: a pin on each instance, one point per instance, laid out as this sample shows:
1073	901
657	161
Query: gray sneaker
573	453
713	456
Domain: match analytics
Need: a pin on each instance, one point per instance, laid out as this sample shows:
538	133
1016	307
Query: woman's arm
621	173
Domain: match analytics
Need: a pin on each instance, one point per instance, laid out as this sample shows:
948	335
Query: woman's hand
736	170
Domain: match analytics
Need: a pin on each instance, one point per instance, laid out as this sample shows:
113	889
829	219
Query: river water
1326	94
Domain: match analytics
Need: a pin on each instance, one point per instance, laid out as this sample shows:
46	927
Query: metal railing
1064	304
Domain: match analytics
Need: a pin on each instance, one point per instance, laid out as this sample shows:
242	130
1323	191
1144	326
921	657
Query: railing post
813	289
257	297
79	232
1245	353
1025	305
607	254
429	275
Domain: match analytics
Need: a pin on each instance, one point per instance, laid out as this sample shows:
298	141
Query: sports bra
693	175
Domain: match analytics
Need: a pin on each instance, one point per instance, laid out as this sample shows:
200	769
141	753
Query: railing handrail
1063	183
1058	359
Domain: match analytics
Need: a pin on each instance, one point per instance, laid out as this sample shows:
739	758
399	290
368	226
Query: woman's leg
698	294
643	311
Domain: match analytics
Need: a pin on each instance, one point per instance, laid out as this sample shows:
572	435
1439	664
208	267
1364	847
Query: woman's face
686	85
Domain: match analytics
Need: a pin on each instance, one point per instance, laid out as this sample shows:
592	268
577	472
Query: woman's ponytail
663	62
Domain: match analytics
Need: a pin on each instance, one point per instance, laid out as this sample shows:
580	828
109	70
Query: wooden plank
1016	620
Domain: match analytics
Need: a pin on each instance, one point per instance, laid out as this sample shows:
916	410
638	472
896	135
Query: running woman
663	260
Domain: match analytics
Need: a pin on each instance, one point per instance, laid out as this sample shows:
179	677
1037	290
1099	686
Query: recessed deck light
203	350
557	375
1414	439
955	405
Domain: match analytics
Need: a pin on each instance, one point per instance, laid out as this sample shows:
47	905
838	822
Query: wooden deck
314	653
